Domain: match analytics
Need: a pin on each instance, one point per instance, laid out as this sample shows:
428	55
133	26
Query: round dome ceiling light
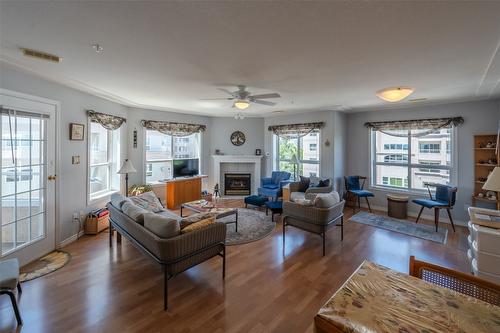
241	104
395	94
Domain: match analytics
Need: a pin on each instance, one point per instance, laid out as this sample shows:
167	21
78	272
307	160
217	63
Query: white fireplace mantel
253	159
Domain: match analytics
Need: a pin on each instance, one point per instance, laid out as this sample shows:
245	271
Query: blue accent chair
272	186
444	199
354	185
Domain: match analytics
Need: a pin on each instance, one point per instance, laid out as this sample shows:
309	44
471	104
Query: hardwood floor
121	290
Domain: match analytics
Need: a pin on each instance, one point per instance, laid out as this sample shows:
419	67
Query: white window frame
277	152
453	167
146	161
113	152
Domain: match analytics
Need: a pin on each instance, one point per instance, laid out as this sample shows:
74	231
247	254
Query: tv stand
181	190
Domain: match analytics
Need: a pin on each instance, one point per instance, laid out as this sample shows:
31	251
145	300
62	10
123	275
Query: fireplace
237	184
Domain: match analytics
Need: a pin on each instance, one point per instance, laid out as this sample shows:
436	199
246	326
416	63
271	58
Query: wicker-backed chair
460	282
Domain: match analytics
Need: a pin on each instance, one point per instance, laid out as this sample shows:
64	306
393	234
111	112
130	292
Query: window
104	157
409	161
306	150
162	149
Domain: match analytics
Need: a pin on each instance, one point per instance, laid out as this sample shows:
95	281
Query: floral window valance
174	129
295	130
107	121
422	127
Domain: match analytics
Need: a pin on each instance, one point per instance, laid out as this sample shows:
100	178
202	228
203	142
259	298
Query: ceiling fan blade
258	101
226	91
264	96
217	99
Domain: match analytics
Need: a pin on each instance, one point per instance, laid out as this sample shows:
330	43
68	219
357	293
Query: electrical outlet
82	215
75	216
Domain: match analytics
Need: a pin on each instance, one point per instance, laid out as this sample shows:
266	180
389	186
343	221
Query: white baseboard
424	216
71	239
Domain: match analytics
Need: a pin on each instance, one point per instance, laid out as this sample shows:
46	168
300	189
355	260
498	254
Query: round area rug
45	265
252	226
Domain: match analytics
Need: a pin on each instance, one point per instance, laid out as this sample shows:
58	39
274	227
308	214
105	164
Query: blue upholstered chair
272	186
354	185
444	199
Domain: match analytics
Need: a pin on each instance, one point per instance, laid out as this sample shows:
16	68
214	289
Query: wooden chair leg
359	203
436	217
14	306
419	213
451	219
368	203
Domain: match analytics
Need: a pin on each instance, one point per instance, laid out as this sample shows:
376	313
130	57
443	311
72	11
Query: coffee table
203	206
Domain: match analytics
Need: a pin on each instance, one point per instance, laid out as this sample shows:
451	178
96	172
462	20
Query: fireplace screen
237	184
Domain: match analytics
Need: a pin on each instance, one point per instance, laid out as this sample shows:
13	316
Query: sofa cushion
148	201
199	225
162	226
186	221
305	202
136	213
326	200
304	183
294	196
118	199
170	214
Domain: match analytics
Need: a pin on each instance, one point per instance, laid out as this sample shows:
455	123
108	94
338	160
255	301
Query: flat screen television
186	168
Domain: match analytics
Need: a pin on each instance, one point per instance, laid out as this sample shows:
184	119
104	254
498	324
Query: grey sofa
313	219
296	195
175	254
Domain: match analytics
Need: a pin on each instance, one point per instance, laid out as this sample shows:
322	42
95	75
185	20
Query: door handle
51	177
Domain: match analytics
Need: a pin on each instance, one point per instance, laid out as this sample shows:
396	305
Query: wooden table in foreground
378	299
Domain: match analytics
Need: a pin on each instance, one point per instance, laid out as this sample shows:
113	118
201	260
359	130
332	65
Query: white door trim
57	107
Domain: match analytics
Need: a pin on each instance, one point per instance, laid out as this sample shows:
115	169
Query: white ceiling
317	55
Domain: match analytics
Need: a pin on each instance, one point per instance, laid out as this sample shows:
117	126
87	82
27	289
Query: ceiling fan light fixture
241	104
395	94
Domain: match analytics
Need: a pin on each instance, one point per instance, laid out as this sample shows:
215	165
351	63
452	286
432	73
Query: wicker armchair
313	219
460	282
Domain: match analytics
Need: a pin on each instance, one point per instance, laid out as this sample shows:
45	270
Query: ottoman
255	200
276	207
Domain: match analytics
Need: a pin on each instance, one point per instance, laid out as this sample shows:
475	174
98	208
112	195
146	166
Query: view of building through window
408	162
162	149
306	149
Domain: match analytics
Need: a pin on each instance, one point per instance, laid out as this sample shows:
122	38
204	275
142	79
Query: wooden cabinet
183	190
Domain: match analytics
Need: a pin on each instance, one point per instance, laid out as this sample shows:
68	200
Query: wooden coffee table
203	206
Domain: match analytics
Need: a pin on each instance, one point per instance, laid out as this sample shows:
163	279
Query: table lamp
126	168
493	181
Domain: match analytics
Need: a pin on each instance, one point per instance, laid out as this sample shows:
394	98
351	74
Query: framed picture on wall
76	131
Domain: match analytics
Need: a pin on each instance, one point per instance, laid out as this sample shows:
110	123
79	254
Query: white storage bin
469	256
486	262
487	239
469	241
483	275
471	230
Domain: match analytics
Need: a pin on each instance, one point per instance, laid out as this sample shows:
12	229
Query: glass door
27	184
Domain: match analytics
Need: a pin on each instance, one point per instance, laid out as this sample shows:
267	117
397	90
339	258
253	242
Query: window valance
174	129
107	121
295	130
425	126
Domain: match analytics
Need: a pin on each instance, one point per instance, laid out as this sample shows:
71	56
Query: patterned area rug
252	226
410	228
45	265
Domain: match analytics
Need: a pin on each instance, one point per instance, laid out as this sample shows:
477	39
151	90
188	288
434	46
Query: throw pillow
117	200
304	183
199	225
314	181
324	183
148	201
136	213
161	226
186	221
326	200
305	202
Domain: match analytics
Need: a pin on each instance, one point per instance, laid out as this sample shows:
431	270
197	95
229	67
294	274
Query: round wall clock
238	138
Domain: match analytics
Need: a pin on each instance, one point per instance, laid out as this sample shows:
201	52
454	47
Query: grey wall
253	128
72	178
480	117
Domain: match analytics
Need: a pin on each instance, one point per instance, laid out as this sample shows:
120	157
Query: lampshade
295	159
493	181
395	94
241	104
127	167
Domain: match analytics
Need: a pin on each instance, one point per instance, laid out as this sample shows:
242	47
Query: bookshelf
485	160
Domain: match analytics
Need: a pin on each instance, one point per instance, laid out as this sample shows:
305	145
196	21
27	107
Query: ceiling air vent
40	55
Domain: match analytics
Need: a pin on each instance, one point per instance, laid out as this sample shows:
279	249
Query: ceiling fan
242	97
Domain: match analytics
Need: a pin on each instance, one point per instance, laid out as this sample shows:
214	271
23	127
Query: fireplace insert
237	184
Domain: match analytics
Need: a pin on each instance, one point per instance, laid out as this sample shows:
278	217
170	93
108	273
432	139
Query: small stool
276	207
255	200
397	206
9	280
